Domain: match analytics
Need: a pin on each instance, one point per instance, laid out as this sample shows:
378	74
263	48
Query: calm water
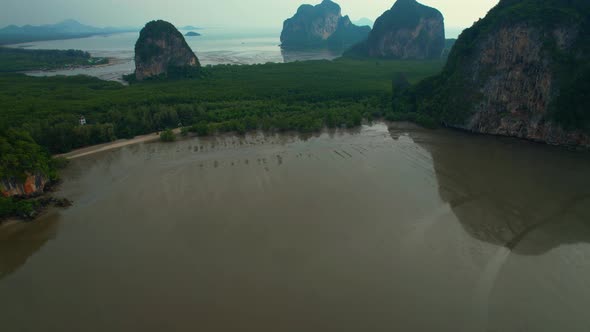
215	46
373	230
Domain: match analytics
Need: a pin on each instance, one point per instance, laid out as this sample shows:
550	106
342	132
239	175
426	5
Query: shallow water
215	46
367	230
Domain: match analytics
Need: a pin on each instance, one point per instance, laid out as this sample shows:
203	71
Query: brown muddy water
373	230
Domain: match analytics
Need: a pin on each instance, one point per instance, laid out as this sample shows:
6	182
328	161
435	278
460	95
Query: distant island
189	27
14	60
321	26
67	29
192	34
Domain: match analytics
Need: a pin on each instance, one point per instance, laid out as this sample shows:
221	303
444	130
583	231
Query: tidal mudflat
369	230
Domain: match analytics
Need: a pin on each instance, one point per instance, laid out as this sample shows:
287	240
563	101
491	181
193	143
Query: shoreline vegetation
90	150
302	96
274	97
67	29
18	60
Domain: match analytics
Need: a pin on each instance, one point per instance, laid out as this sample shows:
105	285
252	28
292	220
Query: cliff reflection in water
292	55
529	198
19	241
402	234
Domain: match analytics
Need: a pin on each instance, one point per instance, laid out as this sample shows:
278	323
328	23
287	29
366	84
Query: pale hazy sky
235	13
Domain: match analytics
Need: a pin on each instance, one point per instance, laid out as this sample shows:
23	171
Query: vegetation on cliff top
162	52
405	14
156	30
21	155
304	31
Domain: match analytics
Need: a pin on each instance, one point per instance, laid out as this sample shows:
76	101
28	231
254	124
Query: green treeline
21	155
11	207
167	136
40	116
302	96
17	59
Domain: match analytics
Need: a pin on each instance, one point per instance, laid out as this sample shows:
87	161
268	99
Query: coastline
9	222
43	203
112	61
90	150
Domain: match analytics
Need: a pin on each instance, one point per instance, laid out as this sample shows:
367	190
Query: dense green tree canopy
22	155
301	96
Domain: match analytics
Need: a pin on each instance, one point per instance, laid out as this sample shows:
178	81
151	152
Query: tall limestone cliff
25	167
522	71
321	26
409	30
32	185
162	50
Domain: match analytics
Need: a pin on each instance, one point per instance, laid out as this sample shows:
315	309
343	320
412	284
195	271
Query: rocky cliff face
32	186
160	50
321	26
517	76
517	84
409	30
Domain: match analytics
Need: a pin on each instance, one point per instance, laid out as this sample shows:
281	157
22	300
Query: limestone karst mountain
321	26
409	30
161	50
522	71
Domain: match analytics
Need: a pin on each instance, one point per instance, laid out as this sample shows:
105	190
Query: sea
216	45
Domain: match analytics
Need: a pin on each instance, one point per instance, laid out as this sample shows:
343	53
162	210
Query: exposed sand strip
112	145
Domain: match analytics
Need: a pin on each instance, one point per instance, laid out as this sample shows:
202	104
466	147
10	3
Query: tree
167	136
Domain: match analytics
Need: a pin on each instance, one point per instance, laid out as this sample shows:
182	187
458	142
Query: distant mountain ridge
189	27
363	22
63	30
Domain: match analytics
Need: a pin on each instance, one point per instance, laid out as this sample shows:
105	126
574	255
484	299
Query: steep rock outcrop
522	71
25	167
409	30
33	185
321	26
162	49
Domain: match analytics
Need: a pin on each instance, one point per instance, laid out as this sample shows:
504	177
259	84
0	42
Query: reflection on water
408	229
290	55
529	198
19	241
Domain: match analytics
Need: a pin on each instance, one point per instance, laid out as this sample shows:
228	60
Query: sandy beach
112	145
